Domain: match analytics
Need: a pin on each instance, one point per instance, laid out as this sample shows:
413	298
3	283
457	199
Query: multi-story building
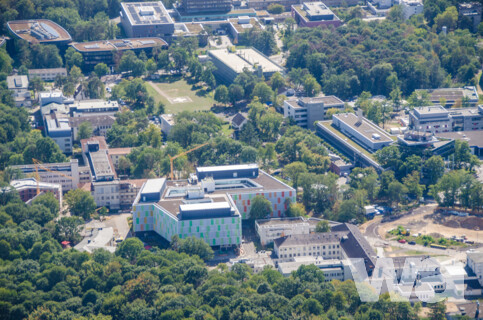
99	124
471	11
474	261
238	27
305	111
47	74
210	205
57	173
230	64
436	119
314	14
270	229
362	131
109	51
57	127
411	7
462	97
27	189
325	245
19	85
54	96
430	119
94	106
39	31
146	19
116	153
197	6
167	122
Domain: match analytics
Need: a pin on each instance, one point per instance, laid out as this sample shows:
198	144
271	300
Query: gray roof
475	256
474	138
356	245
17	82
238	119
309	239
95	120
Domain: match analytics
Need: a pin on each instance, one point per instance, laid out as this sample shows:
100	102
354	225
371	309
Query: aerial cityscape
241	159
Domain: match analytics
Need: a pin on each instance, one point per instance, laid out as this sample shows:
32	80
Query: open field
177	95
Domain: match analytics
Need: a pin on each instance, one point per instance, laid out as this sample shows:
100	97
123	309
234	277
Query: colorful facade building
210	205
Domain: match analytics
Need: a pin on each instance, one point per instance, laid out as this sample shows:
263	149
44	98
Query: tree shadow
169	78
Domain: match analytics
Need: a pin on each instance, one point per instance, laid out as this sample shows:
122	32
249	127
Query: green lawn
179	96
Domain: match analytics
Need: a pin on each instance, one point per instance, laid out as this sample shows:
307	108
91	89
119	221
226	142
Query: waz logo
411	279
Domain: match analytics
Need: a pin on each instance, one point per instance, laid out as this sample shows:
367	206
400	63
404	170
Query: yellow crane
38	164
171	159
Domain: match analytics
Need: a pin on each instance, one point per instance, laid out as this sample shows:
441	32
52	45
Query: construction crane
38	164
171	159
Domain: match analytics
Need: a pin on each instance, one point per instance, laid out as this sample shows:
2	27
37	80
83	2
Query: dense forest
380	56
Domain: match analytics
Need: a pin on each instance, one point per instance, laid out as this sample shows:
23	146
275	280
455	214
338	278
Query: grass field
177	95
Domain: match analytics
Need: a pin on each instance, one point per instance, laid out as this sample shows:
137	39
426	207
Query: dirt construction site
425	221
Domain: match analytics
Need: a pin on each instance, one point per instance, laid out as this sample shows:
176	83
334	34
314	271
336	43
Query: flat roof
309	239
169	118
94	103
119	44
48	70
99	139
119	151
57	123
292	221
365	128
39	31
204	206
245	58
474	138
228	167
452	94
430	110
242	27
146	13
32	183
17	82
101	163
95	120
153	185
328	101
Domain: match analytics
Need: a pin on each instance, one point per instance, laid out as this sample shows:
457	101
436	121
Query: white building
100	124
411	7
333	269
167	122
58	173
305	111
362	131
94	106
474	261
57	127
270	229
27	188
433	119
325	245
19	85
47	74
54	96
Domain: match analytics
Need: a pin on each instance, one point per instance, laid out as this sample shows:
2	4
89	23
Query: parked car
401	241
412	243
